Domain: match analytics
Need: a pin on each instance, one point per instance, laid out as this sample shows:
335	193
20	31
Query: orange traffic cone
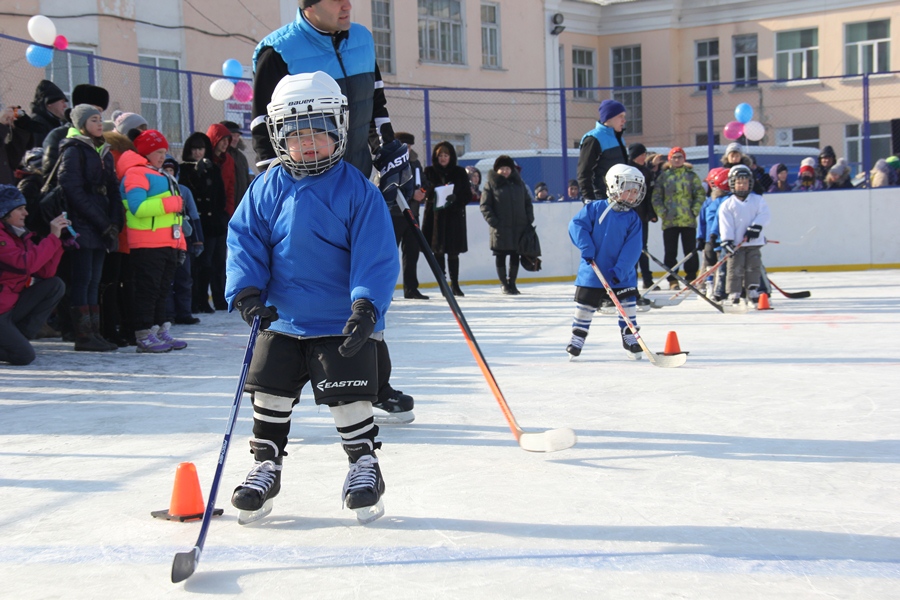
672	346
763	302
187	500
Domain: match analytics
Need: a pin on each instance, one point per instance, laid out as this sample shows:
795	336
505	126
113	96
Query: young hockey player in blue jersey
742	217
312	237
708	232
614	244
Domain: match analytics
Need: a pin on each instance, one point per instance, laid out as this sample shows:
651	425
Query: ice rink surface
765	467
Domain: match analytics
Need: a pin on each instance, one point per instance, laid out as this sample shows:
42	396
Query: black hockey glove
360	326
625	293
251	305
753	232
728	247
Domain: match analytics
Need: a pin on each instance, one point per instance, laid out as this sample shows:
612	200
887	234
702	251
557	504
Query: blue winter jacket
708	220
292	240
614	245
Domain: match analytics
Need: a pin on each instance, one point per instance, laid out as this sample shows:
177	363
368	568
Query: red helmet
713	173
721	181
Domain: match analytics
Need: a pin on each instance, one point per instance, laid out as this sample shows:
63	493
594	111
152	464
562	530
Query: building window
868	47
441	31
880	139
797	54
702	139
460	141
583	74
490	36
68	69
626	72
161	96
707	64
805	137
745	56
381	32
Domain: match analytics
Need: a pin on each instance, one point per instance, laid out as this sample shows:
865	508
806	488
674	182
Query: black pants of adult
405	236
688	244
205	267
643	261
500	263
153	271
25	319
178	304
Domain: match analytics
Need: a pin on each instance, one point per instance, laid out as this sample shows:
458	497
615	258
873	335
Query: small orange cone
187	499
672	346
763	303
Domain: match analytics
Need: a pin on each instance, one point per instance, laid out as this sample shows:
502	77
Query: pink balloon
733	130
243	92
60	43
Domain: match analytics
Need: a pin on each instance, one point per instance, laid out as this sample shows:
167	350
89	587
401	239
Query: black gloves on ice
251	305
360	326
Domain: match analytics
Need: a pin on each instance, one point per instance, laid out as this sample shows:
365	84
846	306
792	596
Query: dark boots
95	327
85	340
453	267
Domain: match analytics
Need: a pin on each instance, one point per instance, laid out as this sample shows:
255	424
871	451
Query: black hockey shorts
594	296
282	365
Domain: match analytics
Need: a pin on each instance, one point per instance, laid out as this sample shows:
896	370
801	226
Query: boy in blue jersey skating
612	240
311	237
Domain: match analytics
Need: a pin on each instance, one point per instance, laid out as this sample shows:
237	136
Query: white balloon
754	130
221	89
42	30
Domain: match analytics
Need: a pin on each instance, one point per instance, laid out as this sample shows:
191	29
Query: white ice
765	467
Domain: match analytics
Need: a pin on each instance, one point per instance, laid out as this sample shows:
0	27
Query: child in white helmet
608	233
312	238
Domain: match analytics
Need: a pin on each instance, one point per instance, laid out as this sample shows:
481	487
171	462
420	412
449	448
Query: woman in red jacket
29	289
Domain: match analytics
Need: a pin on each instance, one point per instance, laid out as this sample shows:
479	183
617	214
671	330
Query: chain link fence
852	114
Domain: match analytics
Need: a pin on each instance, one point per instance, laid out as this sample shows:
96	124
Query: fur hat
610	109
635	150
81	113
504	161
405	138
150	141
85	93
127	121
10	199
733	147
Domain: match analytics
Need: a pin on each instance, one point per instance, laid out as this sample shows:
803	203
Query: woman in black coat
448	232
506	206
201	175
87	174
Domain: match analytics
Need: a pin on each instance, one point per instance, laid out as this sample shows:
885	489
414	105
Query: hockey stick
669	271
710	270
687	283
661	360
543	441
185	563
791	295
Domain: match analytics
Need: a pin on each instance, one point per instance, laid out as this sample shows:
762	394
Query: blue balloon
743	113
38	56
232	69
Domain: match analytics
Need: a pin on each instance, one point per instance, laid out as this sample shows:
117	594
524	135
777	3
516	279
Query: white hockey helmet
625	186
307	101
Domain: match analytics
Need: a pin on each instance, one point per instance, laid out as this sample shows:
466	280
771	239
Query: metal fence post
190	97
866	141
564	137
426	98
92	77
710	127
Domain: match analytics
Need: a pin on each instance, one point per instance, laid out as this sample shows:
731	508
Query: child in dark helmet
310	237
742	217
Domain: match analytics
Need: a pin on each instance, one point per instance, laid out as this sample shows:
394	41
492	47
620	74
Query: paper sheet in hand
441	195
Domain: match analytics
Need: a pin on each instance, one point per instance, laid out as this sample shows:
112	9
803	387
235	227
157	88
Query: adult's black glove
360	326
251	305
728	247
753	232
111	232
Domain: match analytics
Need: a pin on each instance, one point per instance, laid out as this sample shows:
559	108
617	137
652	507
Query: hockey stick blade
185	564
552	440
668	361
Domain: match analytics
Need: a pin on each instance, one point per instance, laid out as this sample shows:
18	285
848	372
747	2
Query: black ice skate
576	344
396	409
262	484
630	343
363	489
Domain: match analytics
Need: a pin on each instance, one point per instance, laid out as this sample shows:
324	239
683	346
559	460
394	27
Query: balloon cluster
744	125
231	86
43	31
